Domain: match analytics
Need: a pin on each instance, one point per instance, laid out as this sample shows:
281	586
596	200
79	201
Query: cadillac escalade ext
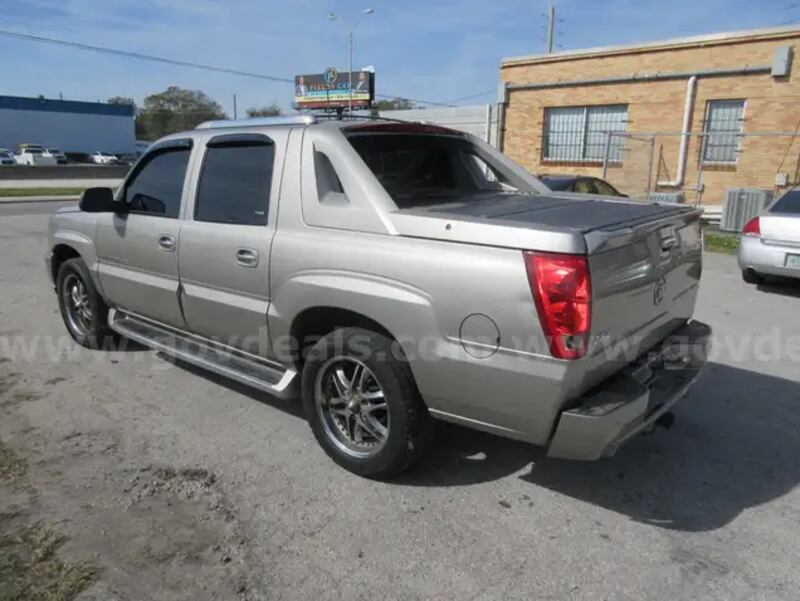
390	274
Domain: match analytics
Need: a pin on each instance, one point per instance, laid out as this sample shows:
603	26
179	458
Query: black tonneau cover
567	212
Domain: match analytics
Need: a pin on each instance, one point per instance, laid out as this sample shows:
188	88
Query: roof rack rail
350	117
259	121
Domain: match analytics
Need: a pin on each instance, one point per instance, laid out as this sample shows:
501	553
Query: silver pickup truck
390	273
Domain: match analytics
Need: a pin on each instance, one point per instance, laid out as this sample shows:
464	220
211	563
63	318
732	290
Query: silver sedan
770	243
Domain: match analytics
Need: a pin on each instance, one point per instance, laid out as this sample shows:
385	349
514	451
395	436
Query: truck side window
157	187
235	183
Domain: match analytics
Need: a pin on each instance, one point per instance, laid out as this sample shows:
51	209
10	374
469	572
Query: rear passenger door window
157	185
235	180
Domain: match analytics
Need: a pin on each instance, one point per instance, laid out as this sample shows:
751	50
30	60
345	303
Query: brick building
694	115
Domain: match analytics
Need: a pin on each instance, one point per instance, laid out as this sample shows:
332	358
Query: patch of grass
6	192
30	570
11	465
722	242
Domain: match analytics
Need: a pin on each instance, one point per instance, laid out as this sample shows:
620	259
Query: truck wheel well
61	253
314	323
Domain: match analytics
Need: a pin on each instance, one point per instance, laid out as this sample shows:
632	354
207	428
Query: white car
34	155
770	243
103	158
7	157
59	156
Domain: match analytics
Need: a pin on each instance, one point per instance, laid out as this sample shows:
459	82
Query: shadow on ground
292	407
734	445
780	286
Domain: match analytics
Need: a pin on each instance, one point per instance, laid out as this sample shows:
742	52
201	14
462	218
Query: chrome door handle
166	243
247	257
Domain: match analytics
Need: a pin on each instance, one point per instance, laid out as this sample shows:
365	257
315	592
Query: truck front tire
363	405
83	310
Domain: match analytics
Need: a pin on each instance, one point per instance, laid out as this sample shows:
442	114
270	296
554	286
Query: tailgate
644	285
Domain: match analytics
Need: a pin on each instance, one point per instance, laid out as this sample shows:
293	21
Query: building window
723	129
579	133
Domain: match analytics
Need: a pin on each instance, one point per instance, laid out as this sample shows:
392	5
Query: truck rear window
423	169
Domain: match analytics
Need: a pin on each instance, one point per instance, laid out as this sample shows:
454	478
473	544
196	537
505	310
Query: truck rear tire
363	405
83	310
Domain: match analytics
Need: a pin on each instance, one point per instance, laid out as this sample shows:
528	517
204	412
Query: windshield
33	151
789	203
419	169
6	154
558	184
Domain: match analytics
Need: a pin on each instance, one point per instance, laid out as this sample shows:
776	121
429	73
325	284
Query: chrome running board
270	378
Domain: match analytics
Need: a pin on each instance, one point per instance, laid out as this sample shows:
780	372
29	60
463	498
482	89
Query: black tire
410	427
92	333
751	276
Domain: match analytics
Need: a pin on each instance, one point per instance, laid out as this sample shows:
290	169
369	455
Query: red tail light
563	295
753	227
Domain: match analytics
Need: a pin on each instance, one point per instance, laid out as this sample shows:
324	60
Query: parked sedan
103	158
770	243
59	156
7	157
581	184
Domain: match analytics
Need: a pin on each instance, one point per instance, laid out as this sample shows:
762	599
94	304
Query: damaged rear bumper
633	399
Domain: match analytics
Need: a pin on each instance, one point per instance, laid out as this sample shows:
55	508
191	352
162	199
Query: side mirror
98	200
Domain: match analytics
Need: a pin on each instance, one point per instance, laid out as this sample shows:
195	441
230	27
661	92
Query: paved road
182	486
28	207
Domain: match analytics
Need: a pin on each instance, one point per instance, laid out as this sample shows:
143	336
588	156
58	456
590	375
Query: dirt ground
126	477
141	530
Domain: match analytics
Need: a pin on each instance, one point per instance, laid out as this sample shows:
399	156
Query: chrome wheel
352	406
76	302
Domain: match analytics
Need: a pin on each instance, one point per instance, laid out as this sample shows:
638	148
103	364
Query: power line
138	55
190	64
478	95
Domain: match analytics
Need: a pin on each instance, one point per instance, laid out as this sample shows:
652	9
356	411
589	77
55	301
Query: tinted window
788	203
157	187
235	183
559	184
605	188
586	186
425	169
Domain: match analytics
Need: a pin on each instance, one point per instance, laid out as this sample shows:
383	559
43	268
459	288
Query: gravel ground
178	485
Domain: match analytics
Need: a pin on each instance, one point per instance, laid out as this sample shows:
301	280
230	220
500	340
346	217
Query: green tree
175	109
394	104
124	100
269	110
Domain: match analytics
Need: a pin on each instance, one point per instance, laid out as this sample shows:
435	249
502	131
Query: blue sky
429	49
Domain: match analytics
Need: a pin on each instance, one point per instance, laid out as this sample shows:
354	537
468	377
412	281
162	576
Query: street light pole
350	32
350	70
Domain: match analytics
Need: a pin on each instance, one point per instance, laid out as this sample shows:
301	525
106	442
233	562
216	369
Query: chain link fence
712	163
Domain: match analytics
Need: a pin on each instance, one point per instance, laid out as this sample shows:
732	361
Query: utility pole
350	70
551	25
235	114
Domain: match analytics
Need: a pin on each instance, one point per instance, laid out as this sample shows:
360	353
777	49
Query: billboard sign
332	90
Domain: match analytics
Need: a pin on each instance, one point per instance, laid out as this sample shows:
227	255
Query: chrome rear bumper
634	398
